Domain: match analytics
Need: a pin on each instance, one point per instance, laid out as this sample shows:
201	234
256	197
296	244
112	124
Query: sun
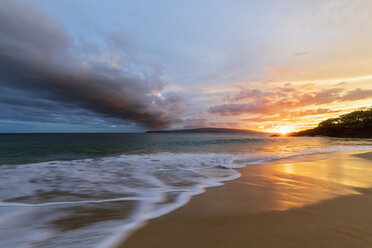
283	130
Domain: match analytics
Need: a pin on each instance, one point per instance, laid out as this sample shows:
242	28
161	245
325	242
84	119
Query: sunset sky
127	66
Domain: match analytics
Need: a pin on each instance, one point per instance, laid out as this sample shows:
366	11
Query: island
206	130
357	124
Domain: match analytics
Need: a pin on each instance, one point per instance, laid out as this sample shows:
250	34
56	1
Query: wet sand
326	202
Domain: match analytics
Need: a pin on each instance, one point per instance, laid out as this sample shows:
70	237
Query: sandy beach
322	201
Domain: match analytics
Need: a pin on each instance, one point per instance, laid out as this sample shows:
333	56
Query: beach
322	200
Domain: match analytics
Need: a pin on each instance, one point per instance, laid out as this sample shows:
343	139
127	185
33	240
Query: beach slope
321	201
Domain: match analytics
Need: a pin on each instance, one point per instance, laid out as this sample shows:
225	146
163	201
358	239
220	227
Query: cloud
38	58
357	94
301	53
283	100
292	114
310	112
21	105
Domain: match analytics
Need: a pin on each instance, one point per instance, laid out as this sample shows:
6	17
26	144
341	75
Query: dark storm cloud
20	105
39	59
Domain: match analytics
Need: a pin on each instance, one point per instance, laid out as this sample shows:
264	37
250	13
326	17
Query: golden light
283	130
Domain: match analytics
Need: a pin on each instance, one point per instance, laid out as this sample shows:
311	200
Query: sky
130	66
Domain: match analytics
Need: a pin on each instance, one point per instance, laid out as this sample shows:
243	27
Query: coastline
323	202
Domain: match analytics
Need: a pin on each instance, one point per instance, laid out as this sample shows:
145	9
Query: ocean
93	190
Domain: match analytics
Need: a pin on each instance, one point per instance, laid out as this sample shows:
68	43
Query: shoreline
285	204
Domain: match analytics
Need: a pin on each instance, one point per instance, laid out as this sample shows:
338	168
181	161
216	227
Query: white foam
47	189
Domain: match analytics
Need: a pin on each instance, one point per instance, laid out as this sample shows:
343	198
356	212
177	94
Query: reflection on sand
296	184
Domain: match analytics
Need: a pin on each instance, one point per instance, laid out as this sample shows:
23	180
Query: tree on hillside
353	119
357	124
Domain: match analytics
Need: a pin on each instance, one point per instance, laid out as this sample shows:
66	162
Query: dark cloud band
38	56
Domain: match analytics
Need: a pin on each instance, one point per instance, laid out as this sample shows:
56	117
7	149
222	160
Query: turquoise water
92	190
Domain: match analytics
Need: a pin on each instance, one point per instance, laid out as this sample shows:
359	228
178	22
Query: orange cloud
283	100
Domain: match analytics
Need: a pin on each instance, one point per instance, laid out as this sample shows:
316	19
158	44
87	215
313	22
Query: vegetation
357	124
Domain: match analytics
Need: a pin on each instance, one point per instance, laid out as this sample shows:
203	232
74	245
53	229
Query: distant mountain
205	130
357	124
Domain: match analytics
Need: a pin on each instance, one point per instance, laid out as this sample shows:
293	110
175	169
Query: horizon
157	130
130	67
